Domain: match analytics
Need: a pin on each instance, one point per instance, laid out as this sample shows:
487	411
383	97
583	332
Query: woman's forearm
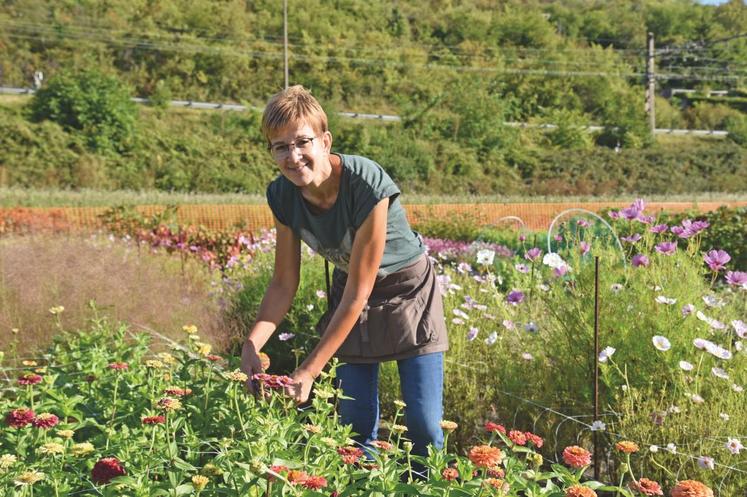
274	307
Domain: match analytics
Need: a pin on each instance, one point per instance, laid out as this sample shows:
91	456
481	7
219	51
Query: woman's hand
251	364
301	387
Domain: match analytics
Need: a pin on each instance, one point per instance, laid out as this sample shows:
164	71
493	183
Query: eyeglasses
283	150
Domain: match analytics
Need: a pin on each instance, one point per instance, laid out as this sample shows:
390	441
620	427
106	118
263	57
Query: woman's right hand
251	363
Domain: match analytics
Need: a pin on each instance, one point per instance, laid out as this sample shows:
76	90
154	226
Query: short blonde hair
293	105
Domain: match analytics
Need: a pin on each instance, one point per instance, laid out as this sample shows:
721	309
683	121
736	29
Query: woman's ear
327	140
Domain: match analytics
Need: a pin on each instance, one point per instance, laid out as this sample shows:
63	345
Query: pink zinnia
29	379
153	420
494	427
640	260
666	248
646	487
517	437
716	259
273	381
45	420
18	418
350	454
535	440
576	457
315	482
118	366
107	469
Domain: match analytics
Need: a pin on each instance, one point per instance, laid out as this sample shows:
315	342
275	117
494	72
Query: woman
384	301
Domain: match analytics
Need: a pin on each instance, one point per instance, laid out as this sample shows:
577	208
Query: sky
712	2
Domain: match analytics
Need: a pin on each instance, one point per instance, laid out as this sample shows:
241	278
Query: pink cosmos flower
515	297
737	278
666	248
632	238
640	260
716	259
560	271
659	228
533	254
583	223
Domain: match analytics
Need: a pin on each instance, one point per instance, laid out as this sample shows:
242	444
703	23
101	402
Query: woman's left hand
301	387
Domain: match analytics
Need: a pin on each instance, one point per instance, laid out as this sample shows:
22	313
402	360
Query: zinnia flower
448	426
29	379
169	404
237	375
29	478
691	488
494	427
45	420
496	483
18	418
716	259
275	382
535	440
199	482
118	366
153	420
627	447
106	469
579	491
6	461
646	487
576	457
314	482
178	392
485	456
517	437
382	445
350	454
82	449
450	474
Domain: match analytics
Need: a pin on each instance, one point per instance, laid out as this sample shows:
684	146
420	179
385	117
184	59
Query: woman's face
301	154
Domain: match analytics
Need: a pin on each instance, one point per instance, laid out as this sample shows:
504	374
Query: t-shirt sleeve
275	200
370	184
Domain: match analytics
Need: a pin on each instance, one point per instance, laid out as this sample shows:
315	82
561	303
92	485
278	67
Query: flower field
108	412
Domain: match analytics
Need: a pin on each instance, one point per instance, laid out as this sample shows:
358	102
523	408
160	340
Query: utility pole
285	41
651	85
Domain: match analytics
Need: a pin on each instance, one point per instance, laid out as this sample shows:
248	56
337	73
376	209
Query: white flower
706	462
606	353
284	337
508	324
653	448
720	373
719	352
616	287
724	416
713	301
598	426
491	338
674	409
671	448
661	299
457	321
733	445
737	388
702	343
485	257
472	333
661	343
522	268
686	366
697	399
546	288
740	328
460	313
687	309
738	346
713	323
321	294
310	307
463	267
554	261
527	356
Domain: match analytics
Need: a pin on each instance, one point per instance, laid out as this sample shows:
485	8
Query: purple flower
689	228
560	271
640	260
659	228
522	268
614	214
687	309
632	238
584	248
666	248
639	204
630	213
522	238
515	297
472	334
583	223
737	278
533	254
716	259
646	219
557	238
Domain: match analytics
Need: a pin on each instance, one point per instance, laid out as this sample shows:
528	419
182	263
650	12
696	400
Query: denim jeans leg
422	382
361	382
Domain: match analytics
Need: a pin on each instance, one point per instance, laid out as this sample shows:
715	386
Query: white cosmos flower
653	448
606	353
733	445
671	448
713	323
661	299
616	287
719	352
724	416
706	462
697	398
460	313
737	388
508	324
720	373
713	301
661	343
687	309
554	261
485	256
527	356
284	337
491	338
740	328
686	366
598	426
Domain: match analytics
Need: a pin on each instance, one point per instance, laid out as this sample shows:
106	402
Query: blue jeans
421	384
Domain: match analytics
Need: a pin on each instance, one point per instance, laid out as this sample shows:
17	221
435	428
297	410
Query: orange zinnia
691	488
580	491
646	487
627	447
485	456
576	457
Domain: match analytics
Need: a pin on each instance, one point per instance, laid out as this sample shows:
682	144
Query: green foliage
96	104
737	128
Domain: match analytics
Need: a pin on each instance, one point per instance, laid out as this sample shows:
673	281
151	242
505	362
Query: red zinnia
45	420
646	487
119	366
29	379
315	482
536	440
18	418
576	457
494	427
279	469
350	454
106	469
517	437
213	357
154	420
450	474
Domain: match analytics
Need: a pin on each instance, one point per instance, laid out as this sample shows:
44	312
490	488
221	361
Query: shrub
91	102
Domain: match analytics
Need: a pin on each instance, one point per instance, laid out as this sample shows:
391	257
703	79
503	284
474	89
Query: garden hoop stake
595	433
326	280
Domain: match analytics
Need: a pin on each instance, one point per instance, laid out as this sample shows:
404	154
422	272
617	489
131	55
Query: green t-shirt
363	184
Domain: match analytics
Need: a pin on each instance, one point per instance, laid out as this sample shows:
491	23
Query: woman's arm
277	300
365	258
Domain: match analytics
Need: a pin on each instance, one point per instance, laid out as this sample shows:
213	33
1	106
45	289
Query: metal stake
595	434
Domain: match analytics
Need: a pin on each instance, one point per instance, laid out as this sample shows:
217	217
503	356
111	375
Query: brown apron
404	316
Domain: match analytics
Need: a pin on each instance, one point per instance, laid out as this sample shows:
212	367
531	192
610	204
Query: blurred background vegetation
454	72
